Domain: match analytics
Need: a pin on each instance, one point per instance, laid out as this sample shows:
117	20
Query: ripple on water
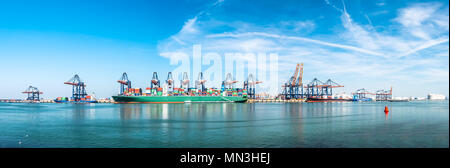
412	124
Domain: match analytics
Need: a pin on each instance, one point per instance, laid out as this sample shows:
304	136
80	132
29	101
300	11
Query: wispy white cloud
423	20
395	46
417	14
426	45
355	50
299	26
296	38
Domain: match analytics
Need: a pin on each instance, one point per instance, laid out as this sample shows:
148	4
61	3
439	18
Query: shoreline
248	101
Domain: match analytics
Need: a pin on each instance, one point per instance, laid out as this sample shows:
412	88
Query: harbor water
304	125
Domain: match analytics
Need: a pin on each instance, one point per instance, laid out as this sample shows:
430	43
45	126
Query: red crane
297	68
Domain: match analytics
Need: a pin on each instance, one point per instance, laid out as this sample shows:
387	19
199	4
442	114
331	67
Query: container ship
184	94
87	99
155	95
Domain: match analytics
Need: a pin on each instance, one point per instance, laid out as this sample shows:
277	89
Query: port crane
228	83
299	85
33	93
293	88
313	88
250	85
155	81
380	95
327	88
318	89
200	82
361	94
170	83
185	82
383	95
78	88
124	82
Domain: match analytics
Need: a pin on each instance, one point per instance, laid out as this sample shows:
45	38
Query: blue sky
371	44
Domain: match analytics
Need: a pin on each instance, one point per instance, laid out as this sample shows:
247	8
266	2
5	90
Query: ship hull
364	100
81	101
399	100
177	99
327	100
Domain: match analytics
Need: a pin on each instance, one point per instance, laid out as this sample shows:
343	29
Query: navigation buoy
386	111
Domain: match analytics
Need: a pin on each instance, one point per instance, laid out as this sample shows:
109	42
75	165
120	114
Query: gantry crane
319	89
361	94
250	85
229	82
299	85
200	82
293	88
185	82
313	88
327	88
383	95
155	81
170	83
33	93
78	88
124	82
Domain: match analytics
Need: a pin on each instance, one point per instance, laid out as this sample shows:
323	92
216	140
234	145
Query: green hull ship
178	99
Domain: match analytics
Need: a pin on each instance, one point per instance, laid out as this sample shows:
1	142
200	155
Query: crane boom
300	76
295	74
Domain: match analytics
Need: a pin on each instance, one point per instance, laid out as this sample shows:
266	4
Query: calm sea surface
322	125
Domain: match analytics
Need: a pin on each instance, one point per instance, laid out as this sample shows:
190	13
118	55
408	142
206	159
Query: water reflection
294	112
169	123
188	111
79	112
130	111
412	124
321	109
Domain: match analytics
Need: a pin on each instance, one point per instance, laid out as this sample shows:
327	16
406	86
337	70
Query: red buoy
386	110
